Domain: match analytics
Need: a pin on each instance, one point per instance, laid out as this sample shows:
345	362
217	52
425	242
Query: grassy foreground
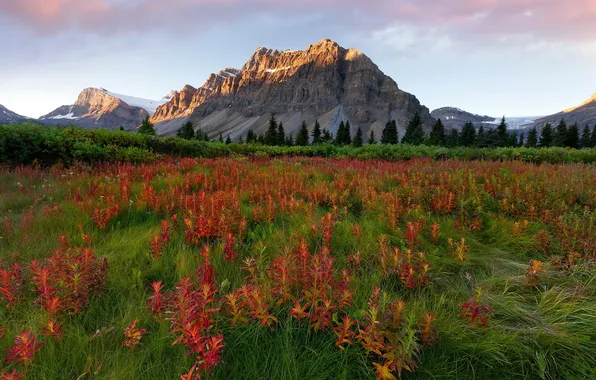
299	268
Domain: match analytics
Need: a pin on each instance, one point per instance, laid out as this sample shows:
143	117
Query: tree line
469	136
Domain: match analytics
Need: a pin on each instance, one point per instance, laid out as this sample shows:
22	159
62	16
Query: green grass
548	332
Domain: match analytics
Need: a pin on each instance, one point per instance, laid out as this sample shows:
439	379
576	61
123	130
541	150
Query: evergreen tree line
469	136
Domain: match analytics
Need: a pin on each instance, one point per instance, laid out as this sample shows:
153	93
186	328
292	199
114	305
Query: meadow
260	267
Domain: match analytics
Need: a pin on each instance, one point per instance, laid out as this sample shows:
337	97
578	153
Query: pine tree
271	134
327	136
290	140
452	140
357	141
371	138
228	140
437	134
532	141
251	138
593	138
492	139
585	140
281	135
316	133
468	135
348	134
546	136
481	138
340	133
187	131
147	127
390	135
572	140
560	137
520	142
241	140
502	134
512	139
414	133
121	128
261	139
220	139
302	137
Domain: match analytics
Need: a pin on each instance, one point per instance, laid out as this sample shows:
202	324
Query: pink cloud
555	20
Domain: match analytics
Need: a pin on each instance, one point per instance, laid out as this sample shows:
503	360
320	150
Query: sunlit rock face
324	82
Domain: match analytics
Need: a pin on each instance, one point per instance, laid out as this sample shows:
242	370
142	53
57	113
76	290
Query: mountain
455	118
7	116
97	108
148	105
583	114
325	82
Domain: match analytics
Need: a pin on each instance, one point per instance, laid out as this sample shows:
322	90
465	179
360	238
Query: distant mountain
148	105
583	114
325	82
97	108
455	118
7	116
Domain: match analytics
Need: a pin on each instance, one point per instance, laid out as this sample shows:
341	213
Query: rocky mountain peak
97	108
324	81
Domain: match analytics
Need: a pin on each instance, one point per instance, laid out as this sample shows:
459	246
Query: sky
491	57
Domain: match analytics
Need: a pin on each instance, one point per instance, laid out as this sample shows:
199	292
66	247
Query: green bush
30	142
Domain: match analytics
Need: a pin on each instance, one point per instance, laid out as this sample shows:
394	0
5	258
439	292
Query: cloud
488	20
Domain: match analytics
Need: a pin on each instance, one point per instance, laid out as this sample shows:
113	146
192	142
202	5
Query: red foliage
24	349
11	284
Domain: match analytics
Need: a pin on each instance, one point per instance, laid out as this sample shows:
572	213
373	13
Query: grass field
298	268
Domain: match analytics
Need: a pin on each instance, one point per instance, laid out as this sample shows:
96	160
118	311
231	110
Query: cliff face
324	82
95	108
583	114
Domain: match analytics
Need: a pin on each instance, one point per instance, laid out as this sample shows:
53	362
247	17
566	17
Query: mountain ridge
324	82
583	114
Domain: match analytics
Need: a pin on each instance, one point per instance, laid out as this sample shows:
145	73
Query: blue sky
508	57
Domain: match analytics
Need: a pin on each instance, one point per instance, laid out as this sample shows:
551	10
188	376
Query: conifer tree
546	136
532	140
414	133
302	136
572	140
271	134
502	134
512	140
251	138
281	135
593	138
481	138
452	139
347	139
357	141
468	135
560	137
221	140
316	133
437	134
290	140
228	140
187	131
327	136
147	127
371	138
340	133
390	135
585	139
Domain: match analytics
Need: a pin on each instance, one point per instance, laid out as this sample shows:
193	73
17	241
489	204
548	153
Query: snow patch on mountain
148	105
